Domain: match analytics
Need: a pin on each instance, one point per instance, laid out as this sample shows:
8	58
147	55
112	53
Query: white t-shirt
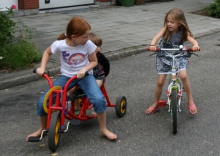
72	59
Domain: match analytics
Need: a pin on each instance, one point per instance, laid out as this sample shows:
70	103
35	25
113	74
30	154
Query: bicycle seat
78	93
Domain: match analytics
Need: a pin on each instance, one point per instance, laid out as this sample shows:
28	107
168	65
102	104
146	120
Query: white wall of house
63	3
52	4
8	3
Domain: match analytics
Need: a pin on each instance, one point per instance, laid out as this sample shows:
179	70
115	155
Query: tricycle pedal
75	122
162	103
61	131
37	138
33	139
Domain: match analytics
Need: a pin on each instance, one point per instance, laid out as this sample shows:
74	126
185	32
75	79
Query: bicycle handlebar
186	49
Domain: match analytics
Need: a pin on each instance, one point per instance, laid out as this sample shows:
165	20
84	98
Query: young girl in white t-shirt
77	55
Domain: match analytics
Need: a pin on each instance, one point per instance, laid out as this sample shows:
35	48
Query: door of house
48	4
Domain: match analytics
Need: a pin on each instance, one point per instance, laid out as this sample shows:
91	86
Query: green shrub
7	27
19	55
16	50
214	9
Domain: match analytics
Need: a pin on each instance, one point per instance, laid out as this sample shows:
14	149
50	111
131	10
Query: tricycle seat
78	93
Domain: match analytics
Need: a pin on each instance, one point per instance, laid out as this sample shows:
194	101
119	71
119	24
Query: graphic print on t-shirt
76	59
65	55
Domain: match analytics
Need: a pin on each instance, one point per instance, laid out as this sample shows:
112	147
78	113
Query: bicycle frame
176	83
174	91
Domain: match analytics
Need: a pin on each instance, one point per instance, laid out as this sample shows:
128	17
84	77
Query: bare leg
43	120
99	82
187	88
102	122
158	90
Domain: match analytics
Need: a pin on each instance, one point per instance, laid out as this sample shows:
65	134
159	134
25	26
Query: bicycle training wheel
54	135
174	110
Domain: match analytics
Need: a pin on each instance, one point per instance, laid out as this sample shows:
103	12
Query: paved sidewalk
125	30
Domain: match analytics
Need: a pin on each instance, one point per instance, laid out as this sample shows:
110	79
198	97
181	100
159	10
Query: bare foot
109	135
35	134
93	114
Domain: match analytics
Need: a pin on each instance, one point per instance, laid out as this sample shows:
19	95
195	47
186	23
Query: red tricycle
59	110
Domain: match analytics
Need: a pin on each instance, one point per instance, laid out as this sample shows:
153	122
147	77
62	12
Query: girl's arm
193	42
92	64
156	39
45	59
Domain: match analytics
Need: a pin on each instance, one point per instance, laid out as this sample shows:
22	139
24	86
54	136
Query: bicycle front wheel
174	110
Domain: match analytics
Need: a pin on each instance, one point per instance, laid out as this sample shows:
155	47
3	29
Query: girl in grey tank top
173	34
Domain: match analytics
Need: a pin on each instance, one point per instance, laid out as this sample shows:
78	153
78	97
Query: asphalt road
138	134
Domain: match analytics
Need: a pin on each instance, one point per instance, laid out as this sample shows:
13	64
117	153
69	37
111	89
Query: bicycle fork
179	96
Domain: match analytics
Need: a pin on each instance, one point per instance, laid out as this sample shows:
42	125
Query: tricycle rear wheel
121	106
54	135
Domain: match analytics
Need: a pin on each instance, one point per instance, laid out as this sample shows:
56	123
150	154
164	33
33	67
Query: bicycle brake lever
195	54
153	54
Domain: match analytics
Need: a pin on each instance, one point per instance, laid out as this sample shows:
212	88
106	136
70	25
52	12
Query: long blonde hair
179	17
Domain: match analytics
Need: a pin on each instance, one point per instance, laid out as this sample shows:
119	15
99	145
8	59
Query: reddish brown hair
77	26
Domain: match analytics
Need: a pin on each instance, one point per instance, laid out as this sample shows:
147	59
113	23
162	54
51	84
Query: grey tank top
174	42
176	39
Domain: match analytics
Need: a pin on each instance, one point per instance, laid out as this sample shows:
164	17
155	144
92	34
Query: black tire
121	106
54	135
174	111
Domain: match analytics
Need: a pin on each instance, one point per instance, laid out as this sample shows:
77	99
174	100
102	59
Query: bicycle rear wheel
174	110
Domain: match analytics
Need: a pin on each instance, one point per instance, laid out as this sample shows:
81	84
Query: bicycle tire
174	110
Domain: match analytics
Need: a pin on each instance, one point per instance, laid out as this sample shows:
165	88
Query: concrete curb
23	77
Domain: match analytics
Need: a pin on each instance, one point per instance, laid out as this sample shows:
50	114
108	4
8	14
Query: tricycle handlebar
50	81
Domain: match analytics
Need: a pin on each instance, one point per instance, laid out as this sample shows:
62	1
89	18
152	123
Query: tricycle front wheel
54	135
121	106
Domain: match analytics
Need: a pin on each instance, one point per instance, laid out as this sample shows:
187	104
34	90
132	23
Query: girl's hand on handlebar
81	73
195	48
152	48
40	71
